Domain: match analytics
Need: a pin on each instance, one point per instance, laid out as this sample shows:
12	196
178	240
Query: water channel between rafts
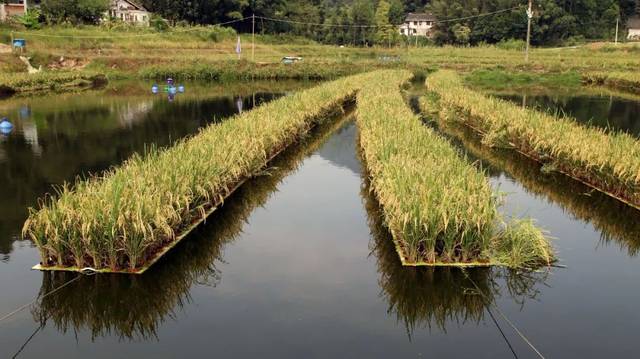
297	263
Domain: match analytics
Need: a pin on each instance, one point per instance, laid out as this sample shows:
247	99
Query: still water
589	106
298	264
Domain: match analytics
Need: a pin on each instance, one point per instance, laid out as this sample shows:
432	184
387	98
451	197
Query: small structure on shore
129	11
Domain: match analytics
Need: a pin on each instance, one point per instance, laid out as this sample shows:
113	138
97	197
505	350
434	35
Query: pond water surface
298	264
589	106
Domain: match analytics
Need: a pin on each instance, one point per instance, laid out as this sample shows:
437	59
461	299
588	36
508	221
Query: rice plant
609	162
124	219
439	208
611	218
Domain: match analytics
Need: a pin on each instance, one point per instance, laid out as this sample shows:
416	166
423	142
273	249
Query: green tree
461	33
384	30
396	12
74	11
362	16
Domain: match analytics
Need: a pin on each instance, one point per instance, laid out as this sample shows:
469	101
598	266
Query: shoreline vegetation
606	161
623	81
127	218
440	210
11	84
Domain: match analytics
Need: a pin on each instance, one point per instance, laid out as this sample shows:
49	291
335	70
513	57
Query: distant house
129	12
633	24
418	24
12	8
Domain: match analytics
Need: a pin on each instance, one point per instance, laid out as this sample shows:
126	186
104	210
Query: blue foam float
5	126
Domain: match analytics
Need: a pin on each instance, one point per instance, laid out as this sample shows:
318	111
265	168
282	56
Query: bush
158	23
512	44
574	40
219	33
30	20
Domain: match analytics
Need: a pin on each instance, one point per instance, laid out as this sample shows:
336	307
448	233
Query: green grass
121	220
439	208
609	162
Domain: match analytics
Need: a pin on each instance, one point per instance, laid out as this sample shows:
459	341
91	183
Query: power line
390	25
479	15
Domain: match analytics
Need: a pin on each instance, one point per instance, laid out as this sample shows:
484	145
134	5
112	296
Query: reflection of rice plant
439	208
609	162
428	297
96	303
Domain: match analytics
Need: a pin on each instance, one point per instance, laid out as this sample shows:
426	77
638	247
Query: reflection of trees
133	306
614	220
423	296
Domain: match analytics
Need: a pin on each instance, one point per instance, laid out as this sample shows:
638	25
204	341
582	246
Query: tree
461	33
362	16
396	12
74	11
383	27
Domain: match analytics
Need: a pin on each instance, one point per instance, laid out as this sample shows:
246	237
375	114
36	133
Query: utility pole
253	37
617	22
529	16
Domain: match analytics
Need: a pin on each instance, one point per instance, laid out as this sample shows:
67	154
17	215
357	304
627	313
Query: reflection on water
58	137
96	303
604	110
615	221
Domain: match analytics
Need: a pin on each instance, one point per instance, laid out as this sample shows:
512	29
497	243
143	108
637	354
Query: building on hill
129	12
418	24
12	8
633	26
